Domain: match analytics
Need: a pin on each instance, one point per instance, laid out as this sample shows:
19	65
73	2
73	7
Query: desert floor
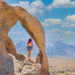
61	62
62	66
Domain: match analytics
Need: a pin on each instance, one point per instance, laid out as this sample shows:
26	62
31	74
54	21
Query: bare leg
29	54
12	50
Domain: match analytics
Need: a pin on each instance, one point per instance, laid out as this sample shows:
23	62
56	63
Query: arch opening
20	38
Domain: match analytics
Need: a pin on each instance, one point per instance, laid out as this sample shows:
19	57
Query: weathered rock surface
6	66
8	18
26	67
19	68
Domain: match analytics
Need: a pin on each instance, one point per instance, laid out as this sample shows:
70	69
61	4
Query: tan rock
8	18
24	67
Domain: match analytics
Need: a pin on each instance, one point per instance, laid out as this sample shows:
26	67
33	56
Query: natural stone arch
8	18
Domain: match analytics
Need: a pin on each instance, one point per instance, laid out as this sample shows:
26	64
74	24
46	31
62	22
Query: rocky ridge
26	67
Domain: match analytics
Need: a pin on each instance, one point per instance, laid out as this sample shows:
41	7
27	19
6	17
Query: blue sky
57	18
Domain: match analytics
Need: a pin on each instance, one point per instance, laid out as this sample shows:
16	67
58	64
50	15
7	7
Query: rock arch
8	17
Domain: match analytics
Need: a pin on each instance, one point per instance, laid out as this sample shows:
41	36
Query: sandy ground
61	62
61	66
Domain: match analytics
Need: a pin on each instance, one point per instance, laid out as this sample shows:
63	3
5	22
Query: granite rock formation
26	67
8	17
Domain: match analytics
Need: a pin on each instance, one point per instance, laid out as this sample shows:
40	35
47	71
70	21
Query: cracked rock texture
26	67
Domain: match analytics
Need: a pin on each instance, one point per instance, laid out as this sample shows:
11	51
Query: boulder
26	67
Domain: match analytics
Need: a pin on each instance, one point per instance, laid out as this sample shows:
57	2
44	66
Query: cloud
61	31
70	18
61	35
68	25
52	21
38	3
62	4
36	7
18	33
68	21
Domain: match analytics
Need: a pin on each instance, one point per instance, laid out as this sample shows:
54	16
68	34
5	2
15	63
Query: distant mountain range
21	47
58	48
55	48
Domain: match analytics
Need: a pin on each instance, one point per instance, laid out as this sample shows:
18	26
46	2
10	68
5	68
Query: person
29	48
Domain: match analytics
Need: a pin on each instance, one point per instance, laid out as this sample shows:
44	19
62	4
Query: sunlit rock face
2	0
26	68
8	18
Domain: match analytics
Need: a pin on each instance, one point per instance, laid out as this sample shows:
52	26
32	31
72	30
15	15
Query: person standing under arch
29	48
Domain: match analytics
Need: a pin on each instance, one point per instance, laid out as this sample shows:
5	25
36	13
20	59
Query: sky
56	16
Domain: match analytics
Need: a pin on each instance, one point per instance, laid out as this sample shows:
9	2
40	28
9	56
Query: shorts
29	48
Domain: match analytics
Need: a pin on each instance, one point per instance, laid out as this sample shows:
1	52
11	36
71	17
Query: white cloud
37	3
60	31
18	33
68	25
70	18
69	21
61	35
36	7
62	3
52	21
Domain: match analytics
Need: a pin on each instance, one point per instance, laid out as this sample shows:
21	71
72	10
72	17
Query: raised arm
35	29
